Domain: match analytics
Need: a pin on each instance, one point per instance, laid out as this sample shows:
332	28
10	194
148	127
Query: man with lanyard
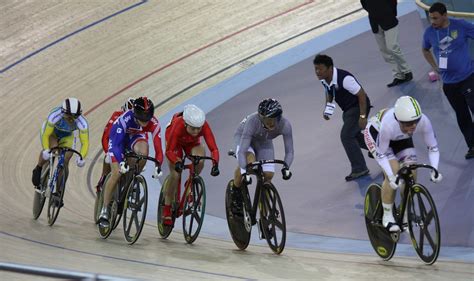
58	131
388	136
183	134
128	133
254	141
341	86
449	39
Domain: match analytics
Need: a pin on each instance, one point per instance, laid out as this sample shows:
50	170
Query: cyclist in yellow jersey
58	130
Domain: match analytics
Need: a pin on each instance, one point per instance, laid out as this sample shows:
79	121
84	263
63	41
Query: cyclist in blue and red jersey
105	140
184	133
128	133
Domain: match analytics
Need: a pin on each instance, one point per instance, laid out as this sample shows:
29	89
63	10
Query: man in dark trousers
449	40
384	24
341	86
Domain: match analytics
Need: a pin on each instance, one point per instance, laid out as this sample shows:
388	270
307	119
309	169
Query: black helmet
143	109
270	108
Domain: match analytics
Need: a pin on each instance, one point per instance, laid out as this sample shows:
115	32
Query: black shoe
470	153
354	175
370	155
36	178
262	234
398	81
408	76
57	200
237	205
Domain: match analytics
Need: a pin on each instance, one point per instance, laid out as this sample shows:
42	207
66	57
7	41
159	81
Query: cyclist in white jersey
388	136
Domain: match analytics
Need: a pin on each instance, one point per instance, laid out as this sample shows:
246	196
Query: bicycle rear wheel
272	218
55	202
39	197
163	230
379	237
194	210
236	223
423	224
134	210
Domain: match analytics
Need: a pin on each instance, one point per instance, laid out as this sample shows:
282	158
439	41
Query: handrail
450	13
55	273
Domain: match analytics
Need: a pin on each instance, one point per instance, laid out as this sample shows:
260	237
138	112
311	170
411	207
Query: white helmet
407	109
194	116
71	106
128	105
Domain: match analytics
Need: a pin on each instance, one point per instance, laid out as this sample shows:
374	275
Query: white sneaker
389	223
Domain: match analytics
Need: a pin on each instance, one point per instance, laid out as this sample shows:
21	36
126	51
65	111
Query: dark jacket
381	12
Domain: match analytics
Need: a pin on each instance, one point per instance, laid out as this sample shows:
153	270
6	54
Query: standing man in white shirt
341	86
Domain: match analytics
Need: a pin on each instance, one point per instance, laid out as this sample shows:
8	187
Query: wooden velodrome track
105	51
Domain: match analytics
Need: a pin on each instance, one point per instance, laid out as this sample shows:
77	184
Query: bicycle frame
54	173
195	159
406	174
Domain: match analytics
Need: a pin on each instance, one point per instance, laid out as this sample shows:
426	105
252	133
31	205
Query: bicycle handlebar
142	157
406	170
196	158
260	162
66	149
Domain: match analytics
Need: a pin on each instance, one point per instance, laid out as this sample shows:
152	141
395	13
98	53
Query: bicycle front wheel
272	218
379	237
194	210
56	198
163	229
423	224
134	210
39	197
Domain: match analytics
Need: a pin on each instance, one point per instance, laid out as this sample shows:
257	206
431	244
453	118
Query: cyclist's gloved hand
436	179
46	154
393	182
158	172
123	167
80	162
286	173
215	170
179	166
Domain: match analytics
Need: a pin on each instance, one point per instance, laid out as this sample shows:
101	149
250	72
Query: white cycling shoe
389	224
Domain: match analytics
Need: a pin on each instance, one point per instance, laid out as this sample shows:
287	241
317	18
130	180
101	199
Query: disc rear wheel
379	237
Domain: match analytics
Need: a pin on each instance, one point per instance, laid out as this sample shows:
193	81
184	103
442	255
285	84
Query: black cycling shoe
470	153
57	202
36	177
262	234
237	206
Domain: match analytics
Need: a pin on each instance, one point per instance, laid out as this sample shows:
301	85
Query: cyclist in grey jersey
252	133
254	141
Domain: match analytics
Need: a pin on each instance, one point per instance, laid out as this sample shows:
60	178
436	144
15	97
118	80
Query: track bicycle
130	201
54	174
191	204
272	224
422	218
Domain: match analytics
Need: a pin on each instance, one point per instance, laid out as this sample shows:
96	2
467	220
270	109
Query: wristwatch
363	116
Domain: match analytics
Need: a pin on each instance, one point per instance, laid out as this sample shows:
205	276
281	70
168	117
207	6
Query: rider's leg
36	177
109	190
170	192
239	171
141	148
105	172
199	150
388	198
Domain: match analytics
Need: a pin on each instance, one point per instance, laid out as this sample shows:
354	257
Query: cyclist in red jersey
183	133
105	141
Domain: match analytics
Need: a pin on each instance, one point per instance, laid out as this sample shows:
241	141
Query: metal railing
56	273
